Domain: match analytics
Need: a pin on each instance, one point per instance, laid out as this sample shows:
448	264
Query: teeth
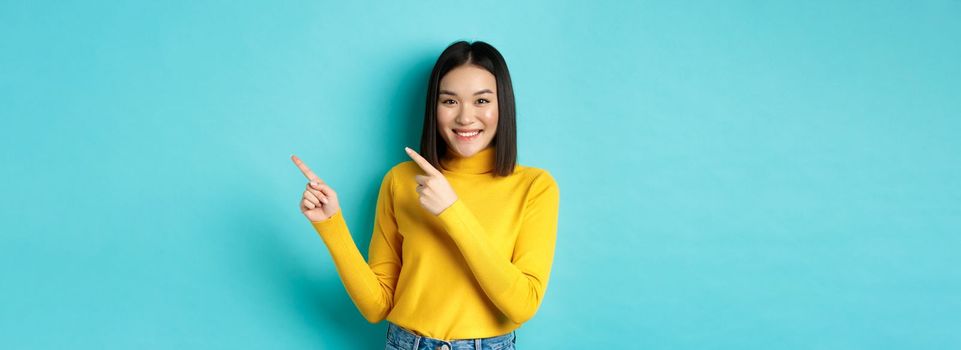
469	134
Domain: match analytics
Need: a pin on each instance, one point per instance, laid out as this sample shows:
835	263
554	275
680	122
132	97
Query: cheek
490	117
444	116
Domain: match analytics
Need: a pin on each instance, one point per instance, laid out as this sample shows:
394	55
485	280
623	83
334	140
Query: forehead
467	79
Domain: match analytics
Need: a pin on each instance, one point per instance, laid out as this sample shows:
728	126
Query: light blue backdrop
734	175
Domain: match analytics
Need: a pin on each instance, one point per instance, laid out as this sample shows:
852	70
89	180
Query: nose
466	116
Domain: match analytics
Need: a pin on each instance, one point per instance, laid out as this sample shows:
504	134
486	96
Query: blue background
734	175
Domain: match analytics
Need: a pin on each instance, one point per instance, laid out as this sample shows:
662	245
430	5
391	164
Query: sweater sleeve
369	284
515	286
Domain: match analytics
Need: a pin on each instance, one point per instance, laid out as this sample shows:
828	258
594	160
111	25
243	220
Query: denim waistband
407	340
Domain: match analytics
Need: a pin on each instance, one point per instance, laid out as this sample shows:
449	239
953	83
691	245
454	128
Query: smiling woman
464	237
469	91
464	116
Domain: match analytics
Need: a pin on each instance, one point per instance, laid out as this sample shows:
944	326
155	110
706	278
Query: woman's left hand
435	192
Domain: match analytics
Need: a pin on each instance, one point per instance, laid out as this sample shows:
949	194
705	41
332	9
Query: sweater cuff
332	225
457	220
452	212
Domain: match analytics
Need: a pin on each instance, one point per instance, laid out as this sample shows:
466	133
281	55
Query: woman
463	236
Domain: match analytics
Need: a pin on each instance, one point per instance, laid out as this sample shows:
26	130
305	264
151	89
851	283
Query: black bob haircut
483	55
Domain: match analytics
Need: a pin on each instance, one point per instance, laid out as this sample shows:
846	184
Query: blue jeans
399	338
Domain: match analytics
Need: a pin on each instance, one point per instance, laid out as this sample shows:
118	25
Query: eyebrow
447	92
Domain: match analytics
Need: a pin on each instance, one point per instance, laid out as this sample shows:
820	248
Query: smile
467	135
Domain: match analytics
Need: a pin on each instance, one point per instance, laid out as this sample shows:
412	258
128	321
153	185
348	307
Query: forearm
516	293
372	299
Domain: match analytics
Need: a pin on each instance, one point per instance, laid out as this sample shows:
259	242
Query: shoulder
400	170
540	179
533	173
406	167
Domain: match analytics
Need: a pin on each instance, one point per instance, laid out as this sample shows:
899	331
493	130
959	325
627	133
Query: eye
448	100
483	99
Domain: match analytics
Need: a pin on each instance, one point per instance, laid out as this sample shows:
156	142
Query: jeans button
443	347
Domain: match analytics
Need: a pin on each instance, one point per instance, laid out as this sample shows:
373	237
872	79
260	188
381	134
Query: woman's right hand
319	201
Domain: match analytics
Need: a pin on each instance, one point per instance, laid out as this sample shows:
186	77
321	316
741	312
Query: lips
467	134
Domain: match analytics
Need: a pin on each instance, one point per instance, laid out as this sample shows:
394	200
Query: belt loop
416	342
477	344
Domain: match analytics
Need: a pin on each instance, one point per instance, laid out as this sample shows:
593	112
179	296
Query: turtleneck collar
481	162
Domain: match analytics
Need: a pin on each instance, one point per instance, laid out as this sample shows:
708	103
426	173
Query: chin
461	152
466	150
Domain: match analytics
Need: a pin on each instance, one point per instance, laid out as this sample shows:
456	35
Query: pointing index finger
424	164
304	169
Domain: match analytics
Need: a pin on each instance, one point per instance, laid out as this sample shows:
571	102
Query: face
467	109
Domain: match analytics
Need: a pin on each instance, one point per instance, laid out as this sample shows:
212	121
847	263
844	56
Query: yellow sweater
478	269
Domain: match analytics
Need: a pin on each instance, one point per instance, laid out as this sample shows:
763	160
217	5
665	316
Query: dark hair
485	56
